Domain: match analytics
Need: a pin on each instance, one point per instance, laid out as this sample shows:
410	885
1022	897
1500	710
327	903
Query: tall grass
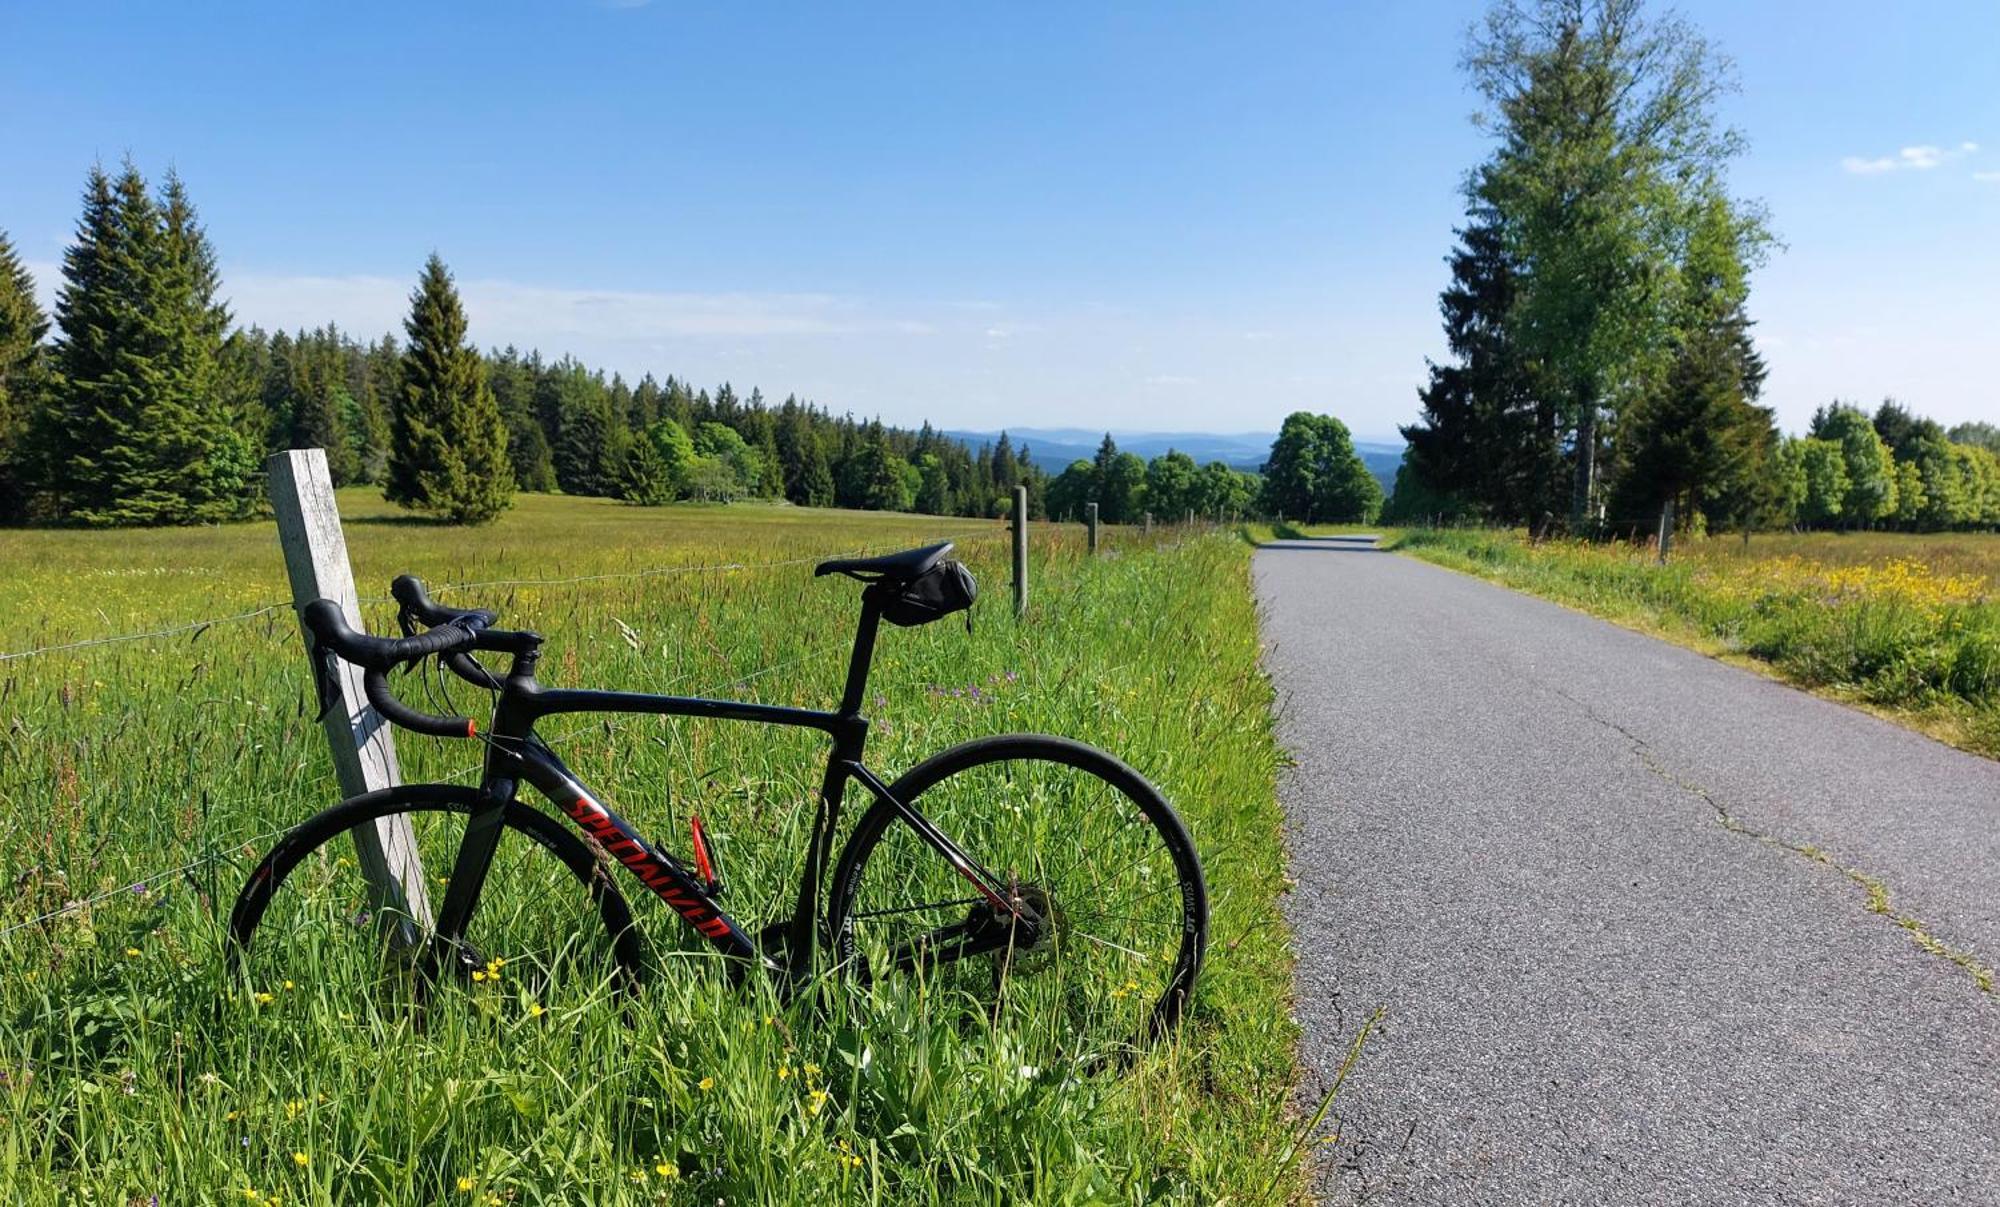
132	1066
1906	623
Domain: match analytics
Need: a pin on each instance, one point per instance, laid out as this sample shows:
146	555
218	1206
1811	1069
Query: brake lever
326	684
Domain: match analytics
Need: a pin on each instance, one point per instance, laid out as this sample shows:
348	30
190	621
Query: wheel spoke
1139	956
959	902
1064	833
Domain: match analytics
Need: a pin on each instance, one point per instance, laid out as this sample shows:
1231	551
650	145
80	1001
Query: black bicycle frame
515	754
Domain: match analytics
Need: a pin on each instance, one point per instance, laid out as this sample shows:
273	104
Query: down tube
658	871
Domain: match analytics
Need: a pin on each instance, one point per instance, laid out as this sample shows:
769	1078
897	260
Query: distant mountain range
1053	448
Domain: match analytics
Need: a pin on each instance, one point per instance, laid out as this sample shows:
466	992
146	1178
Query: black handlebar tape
329	628
377	655
466	667
408	591
375	685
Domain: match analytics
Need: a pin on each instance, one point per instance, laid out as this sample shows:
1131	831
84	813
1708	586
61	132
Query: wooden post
1090	523
1149	523
1020	527
364	749
1666	529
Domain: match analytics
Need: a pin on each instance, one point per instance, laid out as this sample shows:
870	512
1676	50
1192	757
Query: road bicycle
1018	872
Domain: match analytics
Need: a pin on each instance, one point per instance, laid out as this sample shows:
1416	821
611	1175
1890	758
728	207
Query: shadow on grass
404	521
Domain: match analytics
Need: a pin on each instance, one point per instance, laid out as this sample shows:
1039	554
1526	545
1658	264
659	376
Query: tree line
150	407
1601	368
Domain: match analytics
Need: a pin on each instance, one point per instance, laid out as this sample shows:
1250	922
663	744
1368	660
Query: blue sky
1147	216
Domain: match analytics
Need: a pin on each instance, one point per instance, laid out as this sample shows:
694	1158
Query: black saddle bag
936	593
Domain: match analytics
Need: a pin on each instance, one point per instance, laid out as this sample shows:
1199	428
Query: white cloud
508	311
1921	158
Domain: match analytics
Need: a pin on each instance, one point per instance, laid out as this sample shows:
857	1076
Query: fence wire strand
199	626
218	853
611	726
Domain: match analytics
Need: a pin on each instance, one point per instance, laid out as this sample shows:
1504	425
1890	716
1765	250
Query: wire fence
221	851
198	627
218	852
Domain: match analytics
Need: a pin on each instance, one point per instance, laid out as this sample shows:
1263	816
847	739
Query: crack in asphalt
1878	900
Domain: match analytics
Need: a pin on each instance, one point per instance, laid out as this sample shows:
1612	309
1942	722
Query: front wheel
306	914
1080	839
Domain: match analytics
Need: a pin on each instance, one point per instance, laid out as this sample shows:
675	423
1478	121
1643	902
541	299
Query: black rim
305	909
1104	867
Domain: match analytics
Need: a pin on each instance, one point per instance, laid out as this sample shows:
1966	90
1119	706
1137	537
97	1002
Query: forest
151	406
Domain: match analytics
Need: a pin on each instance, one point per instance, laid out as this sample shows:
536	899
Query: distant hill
1053	448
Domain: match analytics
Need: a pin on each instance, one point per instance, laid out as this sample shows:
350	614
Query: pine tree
513	382
313	382
142	437
581	449
1489	440
22	326
643	476
449	455
1005	470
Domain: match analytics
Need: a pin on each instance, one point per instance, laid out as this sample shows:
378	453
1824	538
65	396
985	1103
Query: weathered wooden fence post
1149	523
1090	523
1020	551
1666	529
364	749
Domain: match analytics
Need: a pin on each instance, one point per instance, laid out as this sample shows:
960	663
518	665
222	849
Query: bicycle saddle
890	567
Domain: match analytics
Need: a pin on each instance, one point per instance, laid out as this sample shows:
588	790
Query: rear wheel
1083	842
548	912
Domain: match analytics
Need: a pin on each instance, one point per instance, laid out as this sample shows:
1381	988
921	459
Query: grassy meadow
1903	624
140	780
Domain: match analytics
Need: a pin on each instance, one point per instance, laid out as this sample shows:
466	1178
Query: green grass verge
131	1066
1905	625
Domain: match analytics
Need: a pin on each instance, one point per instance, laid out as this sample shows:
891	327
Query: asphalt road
1614	901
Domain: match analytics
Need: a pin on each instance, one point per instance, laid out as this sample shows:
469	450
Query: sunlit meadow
138	781
1908	624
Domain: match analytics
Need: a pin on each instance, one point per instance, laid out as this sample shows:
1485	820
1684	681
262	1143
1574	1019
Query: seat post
863	655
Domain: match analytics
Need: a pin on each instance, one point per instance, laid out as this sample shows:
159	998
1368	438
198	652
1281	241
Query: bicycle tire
879	826
332	826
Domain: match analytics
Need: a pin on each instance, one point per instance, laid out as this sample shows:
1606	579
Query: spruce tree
22	325
644	476
1489	440
142	437
449	454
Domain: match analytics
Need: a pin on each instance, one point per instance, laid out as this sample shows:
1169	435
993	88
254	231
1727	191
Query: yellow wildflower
707	1084
131	951
464	1183
301	1160
536	1010
265	999
815	1101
